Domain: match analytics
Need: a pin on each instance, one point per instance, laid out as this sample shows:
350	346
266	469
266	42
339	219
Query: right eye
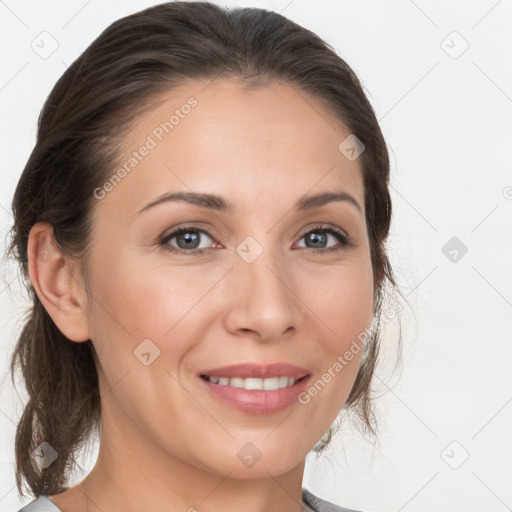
188	240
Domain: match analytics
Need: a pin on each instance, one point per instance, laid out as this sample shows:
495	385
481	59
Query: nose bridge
262	298
261	265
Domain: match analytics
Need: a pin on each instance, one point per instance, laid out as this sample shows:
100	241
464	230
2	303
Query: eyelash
344	239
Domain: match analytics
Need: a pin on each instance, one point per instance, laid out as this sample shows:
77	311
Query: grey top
310	502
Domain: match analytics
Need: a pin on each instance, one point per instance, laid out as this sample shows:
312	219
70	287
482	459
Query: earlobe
57	283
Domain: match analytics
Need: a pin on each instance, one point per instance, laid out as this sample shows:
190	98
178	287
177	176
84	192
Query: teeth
270	384
283	382
251	383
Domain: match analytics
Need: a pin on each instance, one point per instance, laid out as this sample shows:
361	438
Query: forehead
225	138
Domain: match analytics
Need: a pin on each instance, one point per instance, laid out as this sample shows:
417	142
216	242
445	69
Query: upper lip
262	371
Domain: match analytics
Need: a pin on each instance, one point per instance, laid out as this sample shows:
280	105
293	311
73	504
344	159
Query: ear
57	283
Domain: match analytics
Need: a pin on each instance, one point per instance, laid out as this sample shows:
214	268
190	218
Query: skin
166	443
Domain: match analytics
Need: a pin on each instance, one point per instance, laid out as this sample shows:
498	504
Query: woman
201	225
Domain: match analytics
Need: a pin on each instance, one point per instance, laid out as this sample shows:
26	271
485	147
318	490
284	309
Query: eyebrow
222	205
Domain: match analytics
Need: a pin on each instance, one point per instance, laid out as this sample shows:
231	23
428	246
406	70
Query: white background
448	124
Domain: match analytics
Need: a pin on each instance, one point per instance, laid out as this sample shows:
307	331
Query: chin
259	459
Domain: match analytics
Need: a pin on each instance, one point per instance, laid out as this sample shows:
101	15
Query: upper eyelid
176	231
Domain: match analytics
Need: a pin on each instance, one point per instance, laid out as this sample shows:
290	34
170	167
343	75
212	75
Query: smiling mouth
254	383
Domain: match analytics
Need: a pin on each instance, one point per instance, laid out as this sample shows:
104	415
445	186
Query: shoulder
40	504
319	505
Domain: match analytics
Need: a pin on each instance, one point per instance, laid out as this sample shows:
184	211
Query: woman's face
258	283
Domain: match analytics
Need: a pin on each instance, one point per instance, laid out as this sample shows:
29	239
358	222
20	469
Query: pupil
190	240
317	240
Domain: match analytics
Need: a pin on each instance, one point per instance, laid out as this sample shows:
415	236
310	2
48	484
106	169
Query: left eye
319	236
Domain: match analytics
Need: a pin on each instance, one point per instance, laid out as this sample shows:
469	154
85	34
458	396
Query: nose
262	301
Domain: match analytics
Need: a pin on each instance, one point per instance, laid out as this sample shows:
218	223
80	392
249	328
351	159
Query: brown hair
79	133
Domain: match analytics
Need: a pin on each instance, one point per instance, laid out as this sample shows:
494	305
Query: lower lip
257	401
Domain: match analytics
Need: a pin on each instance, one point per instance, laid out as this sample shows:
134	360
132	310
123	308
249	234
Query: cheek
140	298
342	300
343	309
134	302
